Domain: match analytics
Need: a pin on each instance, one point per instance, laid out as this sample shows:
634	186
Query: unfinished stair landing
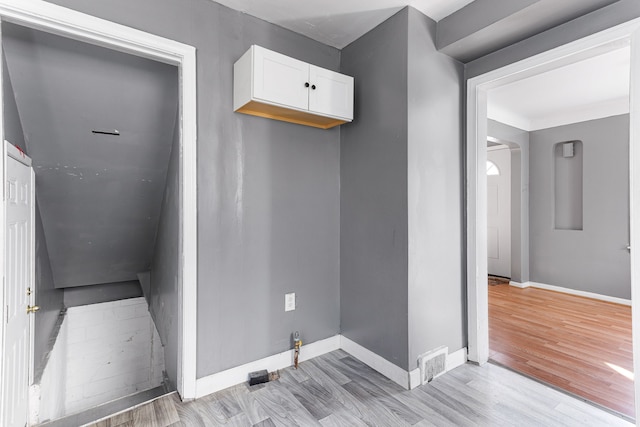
109	409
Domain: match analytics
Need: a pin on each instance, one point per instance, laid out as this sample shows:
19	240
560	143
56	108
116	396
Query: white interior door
17	293
499	212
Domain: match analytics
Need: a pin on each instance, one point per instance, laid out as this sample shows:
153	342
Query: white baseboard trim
519	285
379	363
414	378
585	294
457	358
233	376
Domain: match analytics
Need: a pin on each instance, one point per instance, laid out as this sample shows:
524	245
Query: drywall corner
436	298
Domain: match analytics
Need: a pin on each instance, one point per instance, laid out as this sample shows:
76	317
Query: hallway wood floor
577	344
337	390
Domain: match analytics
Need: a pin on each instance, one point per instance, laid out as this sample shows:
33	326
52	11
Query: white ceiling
590	89
337	23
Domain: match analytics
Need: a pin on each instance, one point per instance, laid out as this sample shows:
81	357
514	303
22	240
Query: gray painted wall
163	292
13	131
518	142
594	259
99	195
599	20
373	202
48	298
145	278
269	191
435	194
104	292
485	26
401	201
457	33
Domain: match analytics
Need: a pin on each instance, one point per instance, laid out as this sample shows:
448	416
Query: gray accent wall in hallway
48	298
435	187
401	204
268	191
13	131
485	26
594	259
164	288
373	200
591	23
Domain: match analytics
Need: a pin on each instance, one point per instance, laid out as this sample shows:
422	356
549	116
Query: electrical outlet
290	301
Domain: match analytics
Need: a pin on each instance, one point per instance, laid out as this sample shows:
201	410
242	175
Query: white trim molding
239	374
414	378
17	154
457	358
233	376
634	202
59	20
518	284
476	197
379	363
408	380
576	292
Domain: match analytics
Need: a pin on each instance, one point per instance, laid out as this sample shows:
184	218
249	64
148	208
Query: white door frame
477	88
55	19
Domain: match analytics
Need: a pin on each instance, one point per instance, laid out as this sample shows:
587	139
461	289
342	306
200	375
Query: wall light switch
290	301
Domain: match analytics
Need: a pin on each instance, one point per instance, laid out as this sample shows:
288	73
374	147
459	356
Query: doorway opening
578	154
479	104
499	205
106	215
54	19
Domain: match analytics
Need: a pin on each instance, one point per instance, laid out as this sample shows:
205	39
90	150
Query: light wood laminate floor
578	344
337	390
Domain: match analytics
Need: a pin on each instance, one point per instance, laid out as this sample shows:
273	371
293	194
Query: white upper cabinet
280	79
331	93
269	84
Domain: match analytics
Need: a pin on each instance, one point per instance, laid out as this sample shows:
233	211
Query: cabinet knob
313	87
306	84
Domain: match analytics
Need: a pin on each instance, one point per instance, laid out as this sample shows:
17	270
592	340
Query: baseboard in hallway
108	409
575	292
497	280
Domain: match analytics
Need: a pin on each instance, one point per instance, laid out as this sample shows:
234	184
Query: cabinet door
279	79
333	93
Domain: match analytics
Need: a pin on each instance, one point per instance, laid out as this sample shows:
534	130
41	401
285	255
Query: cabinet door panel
280	79
333	94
